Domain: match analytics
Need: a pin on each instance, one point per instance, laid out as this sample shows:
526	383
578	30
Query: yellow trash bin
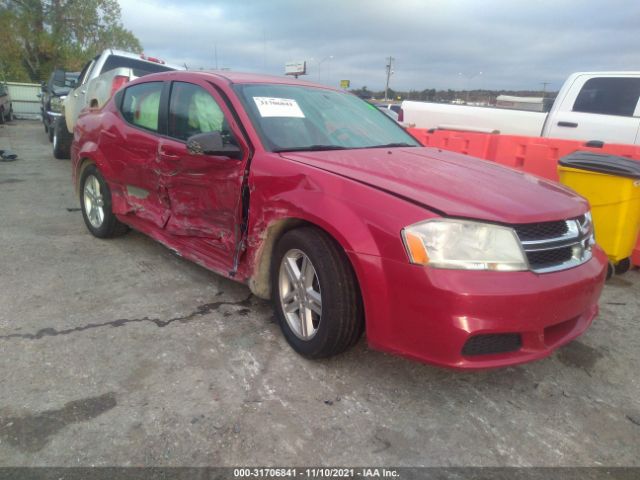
612	186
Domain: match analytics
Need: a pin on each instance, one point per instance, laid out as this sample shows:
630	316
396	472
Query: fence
25	100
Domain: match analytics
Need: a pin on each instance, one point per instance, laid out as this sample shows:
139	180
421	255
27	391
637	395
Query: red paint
363	198
535	155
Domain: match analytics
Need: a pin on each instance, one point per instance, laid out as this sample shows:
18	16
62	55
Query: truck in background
99	79
53	93
599	106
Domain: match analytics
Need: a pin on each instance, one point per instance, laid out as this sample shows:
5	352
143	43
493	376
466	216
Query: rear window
609	96
140	67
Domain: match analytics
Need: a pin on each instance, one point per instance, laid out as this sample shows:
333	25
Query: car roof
242	78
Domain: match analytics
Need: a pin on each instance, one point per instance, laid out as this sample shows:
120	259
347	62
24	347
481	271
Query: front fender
361	218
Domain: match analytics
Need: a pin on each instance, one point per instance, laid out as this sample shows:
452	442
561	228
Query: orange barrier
535	155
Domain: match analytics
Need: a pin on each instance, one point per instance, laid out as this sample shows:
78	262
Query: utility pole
389	73
544	88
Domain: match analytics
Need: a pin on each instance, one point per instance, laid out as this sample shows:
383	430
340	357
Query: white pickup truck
600	106
98	81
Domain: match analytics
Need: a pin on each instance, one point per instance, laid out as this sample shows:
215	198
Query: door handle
107	133
568	124
169	155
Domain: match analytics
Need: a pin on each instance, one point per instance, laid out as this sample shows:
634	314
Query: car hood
453	184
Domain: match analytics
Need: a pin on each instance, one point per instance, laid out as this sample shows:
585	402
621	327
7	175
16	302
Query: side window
141	105
609	96
193	110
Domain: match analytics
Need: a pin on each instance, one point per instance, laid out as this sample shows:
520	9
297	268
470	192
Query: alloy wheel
93	201
300	294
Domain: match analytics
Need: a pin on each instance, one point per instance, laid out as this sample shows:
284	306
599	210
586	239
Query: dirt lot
120	353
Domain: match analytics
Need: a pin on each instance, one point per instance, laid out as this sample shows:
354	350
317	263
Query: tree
362	92
40	35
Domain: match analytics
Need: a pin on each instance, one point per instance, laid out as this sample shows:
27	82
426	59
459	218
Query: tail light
400	115
152	59
118	81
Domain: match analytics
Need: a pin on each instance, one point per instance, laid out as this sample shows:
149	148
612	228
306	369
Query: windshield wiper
392	145
311	148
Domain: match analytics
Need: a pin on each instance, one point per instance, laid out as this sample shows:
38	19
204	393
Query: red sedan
319	201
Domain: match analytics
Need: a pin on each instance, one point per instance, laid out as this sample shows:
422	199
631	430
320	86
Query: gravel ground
120	353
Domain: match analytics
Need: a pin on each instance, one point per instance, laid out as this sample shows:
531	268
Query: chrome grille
553	246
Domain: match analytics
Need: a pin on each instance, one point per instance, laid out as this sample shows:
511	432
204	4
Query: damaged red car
319	201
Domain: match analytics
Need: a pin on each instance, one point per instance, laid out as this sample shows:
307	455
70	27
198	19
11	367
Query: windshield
298	118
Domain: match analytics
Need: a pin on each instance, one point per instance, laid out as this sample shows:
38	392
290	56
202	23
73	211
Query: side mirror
211	143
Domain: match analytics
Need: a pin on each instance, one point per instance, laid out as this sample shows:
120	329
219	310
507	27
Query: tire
1	117
50	135
94	192
610	270
61	139
340	320
10	115
623	266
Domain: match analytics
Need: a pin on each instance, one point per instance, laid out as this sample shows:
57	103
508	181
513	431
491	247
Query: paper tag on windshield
278	107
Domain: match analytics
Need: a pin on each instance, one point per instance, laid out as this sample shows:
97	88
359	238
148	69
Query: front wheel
61	139
95	201
315	293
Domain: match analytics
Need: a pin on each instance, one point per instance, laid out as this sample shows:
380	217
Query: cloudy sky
516	44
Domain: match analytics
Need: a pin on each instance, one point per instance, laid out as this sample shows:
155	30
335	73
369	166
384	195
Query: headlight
56	104
460	244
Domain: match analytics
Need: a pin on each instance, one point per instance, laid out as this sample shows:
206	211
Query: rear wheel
315	293
61	139
95	201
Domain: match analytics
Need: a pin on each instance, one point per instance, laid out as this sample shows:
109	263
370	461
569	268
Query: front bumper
430	314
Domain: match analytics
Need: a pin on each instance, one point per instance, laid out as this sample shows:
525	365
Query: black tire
342	320
623	266
61	139
1	117
10	115
50	134
610	270
110	226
